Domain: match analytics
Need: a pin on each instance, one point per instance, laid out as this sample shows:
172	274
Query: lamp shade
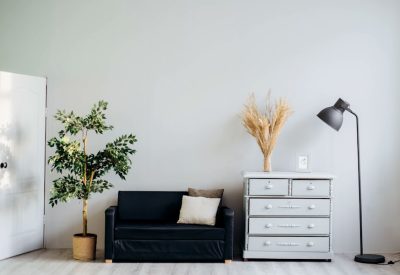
333	116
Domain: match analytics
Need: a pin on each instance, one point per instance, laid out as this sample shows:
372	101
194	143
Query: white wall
176	73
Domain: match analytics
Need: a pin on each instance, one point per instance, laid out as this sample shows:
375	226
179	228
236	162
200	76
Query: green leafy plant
82	172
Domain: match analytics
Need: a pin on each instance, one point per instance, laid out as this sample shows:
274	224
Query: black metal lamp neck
351	112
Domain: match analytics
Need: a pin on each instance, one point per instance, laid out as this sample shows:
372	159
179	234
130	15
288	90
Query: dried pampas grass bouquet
266	126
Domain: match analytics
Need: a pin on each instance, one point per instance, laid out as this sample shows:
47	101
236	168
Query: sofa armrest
226	220
110	218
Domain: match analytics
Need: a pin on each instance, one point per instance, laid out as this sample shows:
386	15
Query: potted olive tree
82	172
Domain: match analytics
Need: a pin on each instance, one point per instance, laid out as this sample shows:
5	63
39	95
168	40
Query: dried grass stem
266	126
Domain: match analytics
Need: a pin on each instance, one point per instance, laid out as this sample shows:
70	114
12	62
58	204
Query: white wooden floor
59	262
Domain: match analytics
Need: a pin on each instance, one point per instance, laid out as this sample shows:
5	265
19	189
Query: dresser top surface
287	175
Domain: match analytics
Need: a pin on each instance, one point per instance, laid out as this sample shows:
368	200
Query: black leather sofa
143	228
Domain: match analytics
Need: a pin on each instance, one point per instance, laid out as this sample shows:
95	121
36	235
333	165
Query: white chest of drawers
287	215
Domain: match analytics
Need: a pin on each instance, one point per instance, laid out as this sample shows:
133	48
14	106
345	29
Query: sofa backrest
149	205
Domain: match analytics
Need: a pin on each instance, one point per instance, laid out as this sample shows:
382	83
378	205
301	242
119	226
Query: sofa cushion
149	205
168	251
198	210
206	193
166	231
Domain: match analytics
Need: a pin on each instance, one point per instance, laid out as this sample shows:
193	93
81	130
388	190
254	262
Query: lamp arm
359	181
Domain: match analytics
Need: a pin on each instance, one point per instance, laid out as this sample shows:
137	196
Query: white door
22	159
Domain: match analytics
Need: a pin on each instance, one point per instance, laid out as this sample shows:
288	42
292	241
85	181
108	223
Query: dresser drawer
268	187
289	207
293	226
289	244
310	188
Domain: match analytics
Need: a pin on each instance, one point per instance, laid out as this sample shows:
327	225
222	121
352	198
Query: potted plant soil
82	172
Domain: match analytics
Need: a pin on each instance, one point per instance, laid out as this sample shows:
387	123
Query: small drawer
293	226
289	244
278	187
310	188
289	207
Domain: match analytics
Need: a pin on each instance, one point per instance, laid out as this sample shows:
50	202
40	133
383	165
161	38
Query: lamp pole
359	182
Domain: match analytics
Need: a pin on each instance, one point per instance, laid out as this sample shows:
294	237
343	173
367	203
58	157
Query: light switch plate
303	163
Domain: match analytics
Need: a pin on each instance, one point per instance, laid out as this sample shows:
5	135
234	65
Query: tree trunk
84	217
267	163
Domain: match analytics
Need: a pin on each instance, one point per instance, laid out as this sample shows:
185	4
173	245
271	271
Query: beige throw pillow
198	210
207	193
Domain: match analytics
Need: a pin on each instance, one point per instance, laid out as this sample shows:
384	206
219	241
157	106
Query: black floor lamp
333	116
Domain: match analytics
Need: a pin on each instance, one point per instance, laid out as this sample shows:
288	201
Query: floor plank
60	262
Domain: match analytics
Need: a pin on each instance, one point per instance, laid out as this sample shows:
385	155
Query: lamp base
369	259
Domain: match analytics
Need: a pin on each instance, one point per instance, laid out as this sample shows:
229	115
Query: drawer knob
268	225
312	206
267	243
310	187
269	206
311	225
310	244
269	186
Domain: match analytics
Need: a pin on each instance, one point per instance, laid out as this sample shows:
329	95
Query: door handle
3	165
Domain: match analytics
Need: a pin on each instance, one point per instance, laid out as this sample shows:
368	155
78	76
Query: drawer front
310	188
269	187
289	207
293	226
289	244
